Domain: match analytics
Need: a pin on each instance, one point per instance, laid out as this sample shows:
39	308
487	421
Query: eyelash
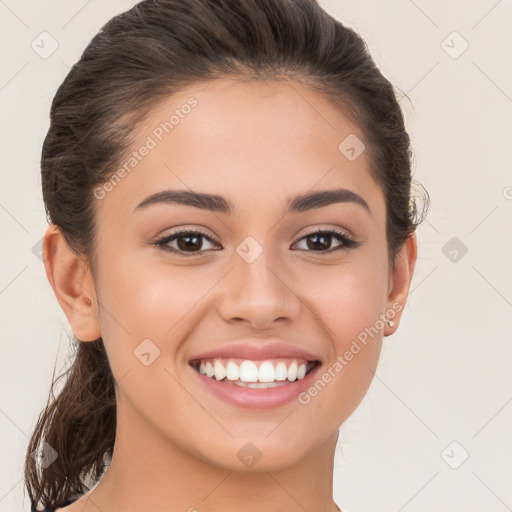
347	242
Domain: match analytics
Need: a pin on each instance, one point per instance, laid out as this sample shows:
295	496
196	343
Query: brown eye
189	242
320	241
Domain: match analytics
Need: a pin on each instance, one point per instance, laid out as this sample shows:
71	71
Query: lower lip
252	398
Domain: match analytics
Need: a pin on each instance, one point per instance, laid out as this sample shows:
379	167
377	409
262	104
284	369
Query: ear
400	281
71	280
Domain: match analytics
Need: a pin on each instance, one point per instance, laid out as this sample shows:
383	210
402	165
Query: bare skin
257	145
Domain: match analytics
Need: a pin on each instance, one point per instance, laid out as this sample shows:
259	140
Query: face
255	276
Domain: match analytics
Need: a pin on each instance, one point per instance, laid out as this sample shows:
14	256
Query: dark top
47	509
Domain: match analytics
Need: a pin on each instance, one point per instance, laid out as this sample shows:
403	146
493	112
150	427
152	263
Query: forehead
250	141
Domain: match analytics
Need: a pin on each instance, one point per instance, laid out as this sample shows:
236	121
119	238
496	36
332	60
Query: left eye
188	240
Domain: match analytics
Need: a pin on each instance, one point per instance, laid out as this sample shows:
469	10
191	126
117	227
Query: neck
150	472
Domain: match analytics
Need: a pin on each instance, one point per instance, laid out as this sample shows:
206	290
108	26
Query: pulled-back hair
137	59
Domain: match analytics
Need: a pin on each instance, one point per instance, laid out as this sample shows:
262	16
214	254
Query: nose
260	293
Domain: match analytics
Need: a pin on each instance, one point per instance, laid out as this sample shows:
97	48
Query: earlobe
69	276
400	282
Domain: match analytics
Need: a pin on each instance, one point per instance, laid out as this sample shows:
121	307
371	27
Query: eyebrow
217	203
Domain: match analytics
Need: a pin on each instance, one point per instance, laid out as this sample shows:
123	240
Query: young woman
232	233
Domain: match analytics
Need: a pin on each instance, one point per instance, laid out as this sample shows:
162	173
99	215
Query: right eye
187	239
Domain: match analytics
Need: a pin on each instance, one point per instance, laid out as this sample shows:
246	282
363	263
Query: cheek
154	302
347	298
348	303
149	298
143	320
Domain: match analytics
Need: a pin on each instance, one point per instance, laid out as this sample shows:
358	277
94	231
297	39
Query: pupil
316	237
184	245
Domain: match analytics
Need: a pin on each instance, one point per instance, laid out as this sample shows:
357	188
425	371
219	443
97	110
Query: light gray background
445	375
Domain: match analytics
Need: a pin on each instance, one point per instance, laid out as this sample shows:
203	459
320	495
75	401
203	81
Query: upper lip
255	350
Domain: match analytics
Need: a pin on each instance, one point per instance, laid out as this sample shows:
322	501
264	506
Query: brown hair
139	57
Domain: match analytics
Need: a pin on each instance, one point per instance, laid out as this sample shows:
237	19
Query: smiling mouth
254	374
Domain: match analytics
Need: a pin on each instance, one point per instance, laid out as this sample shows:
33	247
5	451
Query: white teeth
281	371
248	372
232	371
220	371
209	369
292	371
259	385
267	372
301	372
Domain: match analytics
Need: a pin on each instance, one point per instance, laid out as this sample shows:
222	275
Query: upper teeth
248	371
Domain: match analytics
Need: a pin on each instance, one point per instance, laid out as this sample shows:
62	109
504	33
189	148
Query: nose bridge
258	290
257	264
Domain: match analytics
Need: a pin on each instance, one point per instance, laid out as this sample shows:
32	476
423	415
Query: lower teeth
254	385
258	385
